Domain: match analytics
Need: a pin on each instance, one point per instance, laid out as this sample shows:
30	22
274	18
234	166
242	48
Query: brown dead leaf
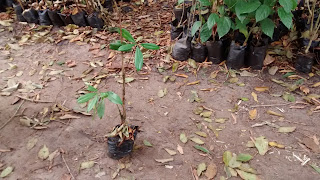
211	171
253	114
66	177
311	144
193	83
182	75
261	89
268	60
71	63
255	96
68	116
274	113
179	148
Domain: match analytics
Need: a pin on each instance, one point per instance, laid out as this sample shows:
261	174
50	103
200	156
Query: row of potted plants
61	13
239	31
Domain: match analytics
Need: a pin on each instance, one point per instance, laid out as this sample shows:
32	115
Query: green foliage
285	17
124	47
262	12
267	27
212	20
195	27
224	26
205	33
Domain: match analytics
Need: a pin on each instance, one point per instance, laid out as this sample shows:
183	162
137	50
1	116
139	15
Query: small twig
67	166
27	99
270	105
12	116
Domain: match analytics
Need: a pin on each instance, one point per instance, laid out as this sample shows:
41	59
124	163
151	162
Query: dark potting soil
279	31
108	4
18	10
127	9
175	31
79	19
55	18
95	21
235	59
66	19
199	52
9	3
305	62
44	18
181	49
31	16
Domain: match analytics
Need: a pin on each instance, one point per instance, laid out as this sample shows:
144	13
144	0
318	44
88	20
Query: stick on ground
12	116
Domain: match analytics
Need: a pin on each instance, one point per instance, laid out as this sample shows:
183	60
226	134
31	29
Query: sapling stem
182	14
247	38
313	31
21	4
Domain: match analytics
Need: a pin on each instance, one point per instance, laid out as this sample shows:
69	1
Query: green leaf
244	157
101	108
288	97
195	27
6	172
287	5
285	17
230	3
92	103
224	25
115	45
92	89
114	98
267	27
85	98
242	27
212	20
126	47
126	34
205	2
183	138
262	12
200	148
243	7
295	4
180	1
147	143
315	167
270	3
138	59
247	176
227	155
201	167
150	46
205	33
261	144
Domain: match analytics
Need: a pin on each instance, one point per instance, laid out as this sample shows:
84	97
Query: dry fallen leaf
211	171
164	160
68	116
268	60
316	84
171	152
274	113
253	114
193	83
180	149
255	96
261	89
305	89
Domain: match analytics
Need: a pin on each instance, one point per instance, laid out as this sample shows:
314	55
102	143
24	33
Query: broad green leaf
261	144
243	7
200	148
92	89
126	47
100	109
92	103
224	25
126	34
6	172
205	2
85	98
114	98
195	27
288	97
205	33
147	143
287	5
230	3
262	12
244	157
227	155
115	45
183	138
286	18
269	3
295	4
267	27
212	20
138	59
150	46
242	27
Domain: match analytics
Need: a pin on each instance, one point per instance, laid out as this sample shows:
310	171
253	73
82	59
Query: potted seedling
30	14
121	138
44	18
53	14
305	59
78	15
93	17
18	9
65	14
